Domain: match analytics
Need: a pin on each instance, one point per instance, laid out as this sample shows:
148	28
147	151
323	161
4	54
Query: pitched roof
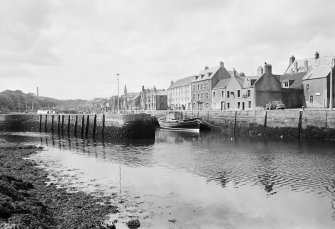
206	74
221	84
240	80
296	77
182	82
311	62
317	72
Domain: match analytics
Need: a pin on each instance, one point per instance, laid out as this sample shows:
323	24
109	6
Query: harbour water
187	180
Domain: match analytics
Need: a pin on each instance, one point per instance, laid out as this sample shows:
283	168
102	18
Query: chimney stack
260	71
317	55
221	64
268	68
296	67
291	60
171	82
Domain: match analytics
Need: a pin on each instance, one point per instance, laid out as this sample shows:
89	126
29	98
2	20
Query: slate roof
312	62
182	82
221	84
297	77
317	72
206	74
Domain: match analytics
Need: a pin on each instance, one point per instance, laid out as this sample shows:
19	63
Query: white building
179	94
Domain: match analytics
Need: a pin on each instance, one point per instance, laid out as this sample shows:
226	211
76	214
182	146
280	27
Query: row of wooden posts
84	129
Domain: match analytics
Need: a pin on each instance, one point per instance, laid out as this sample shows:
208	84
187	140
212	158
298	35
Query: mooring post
58	125
75	126
265	118
94	124
40	129
82	126
300	124
87	125
235	123
68	125
45	123
103	126
52	123
62	124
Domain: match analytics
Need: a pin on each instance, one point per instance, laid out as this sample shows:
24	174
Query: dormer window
202	76
286	84
209	74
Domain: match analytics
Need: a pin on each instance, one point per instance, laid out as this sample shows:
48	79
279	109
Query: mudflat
27	201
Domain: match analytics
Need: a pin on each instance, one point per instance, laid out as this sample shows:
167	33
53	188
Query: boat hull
181	125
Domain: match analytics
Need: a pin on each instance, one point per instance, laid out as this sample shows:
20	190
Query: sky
73	49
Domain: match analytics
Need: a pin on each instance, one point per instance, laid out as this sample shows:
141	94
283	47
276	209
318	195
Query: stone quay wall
305	124
106	126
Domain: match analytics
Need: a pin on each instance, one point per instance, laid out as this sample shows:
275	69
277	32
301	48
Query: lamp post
118	91
331	84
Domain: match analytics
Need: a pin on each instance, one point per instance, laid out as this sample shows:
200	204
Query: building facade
179	94
202	85
153	99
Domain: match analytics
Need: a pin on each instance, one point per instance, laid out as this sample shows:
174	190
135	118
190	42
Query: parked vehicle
275	105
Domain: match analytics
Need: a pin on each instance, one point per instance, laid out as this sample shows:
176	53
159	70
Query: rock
134	224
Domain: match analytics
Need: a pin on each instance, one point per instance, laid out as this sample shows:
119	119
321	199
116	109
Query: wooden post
300	124
52	123
235	123
87	125
82	126
68	125
62	124
40	123
103	126
58	128
75	126
265	118
94	125
45	123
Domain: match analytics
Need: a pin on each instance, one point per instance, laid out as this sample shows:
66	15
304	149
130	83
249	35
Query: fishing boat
175	121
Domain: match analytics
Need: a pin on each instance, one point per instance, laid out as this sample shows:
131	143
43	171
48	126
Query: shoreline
27	202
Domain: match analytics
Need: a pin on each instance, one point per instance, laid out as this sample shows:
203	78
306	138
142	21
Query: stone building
153	99
179	94
203	83
315	83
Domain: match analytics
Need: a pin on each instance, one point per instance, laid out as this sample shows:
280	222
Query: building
153	99
126	100
203	83
179	94
236	93
292	89
315	82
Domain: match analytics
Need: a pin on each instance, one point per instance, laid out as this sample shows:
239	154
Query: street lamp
118	91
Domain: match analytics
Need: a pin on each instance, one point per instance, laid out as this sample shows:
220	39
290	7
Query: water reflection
206	180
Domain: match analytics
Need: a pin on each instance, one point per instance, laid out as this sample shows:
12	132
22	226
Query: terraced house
179	94
203	83
315	80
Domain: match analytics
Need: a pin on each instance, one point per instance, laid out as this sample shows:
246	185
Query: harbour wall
304	124
106	126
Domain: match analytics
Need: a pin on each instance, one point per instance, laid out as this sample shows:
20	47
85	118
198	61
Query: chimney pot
221	64
317	55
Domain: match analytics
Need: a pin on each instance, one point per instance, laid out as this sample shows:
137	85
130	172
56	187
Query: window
201	87
248	93
198	96
202	95
286	84
198	87
207	105
213	94
238	105
227	94
311	99
222	94
207	95
307	86
193	87
252	82
194	96
249	104
238	93
228	105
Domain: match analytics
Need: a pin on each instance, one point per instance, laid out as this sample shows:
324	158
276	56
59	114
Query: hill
18	101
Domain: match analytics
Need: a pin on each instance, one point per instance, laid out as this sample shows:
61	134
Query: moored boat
175	121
